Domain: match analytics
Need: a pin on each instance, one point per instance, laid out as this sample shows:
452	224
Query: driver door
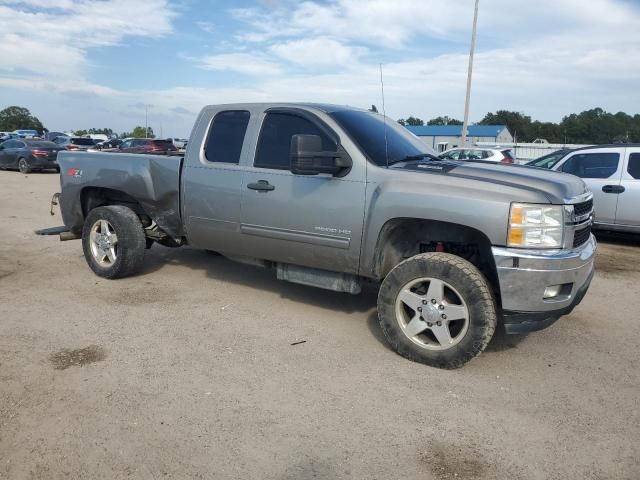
310	220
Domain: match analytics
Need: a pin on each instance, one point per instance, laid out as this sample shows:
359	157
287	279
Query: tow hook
54	202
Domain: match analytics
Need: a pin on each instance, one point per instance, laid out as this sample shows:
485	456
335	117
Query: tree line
595	126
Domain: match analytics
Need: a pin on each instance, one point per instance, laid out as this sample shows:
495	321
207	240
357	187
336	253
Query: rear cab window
633	168
226	136
274	142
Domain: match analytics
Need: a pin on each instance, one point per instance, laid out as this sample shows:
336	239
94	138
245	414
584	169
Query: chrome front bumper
525	274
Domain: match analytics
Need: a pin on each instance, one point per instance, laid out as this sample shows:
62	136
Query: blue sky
97	63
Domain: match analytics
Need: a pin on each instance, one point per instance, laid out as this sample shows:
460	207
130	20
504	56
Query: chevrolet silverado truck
333	197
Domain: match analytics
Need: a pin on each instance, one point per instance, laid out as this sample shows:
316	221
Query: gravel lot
188	371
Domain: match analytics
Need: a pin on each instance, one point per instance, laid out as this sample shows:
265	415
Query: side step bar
63	231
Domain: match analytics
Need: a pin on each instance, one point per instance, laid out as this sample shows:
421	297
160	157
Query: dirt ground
190	371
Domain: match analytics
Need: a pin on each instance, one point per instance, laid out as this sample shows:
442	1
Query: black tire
469	285
130	241
23	166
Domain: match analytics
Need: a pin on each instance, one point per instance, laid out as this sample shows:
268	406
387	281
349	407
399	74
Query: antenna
384	115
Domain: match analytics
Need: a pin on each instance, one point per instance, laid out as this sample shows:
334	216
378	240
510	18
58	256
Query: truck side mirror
308	158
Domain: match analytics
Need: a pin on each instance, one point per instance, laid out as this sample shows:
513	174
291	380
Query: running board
63	231
52	230
313	277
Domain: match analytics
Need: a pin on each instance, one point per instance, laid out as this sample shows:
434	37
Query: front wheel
113	241
23	166
437	309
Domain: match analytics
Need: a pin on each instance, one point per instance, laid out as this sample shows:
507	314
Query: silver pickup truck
332	197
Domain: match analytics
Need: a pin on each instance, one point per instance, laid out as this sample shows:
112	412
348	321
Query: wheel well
93	197
402	238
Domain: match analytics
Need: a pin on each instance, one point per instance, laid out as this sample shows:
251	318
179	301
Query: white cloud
55	38
318	52
245	63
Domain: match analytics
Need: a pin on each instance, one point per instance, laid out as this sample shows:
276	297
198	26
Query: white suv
476	153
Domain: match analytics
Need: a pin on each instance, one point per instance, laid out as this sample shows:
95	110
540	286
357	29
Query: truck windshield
367	130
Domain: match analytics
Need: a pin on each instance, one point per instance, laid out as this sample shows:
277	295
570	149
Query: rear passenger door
11	153
309	220
628	212
212	178
601	170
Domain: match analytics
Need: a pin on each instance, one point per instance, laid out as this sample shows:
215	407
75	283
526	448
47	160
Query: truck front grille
583	208
581	236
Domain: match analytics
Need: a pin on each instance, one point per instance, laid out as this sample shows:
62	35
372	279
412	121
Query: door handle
617	189
261	186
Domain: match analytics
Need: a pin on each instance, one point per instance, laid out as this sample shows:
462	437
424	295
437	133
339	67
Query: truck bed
152	180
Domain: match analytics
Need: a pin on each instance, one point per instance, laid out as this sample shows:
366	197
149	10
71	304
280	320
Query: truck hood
557	187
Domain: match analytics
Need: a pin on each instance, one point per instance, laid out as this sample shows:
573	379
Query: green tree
95	131
101	131
518	123
18	118
141	132
444	121
413	121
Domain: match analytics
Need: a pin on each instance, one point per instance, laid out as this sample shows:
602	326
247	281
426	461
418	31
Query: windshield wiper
410	158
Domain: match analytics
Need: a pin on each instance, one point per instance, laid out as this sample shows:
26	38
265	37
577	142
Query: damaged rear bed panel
151	180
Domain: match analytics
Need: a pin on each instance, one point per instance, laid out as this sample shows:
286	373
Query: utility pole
146	120
469	74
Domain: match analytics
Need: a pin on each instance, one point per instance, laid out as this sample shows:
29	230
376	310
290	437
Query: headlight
535	226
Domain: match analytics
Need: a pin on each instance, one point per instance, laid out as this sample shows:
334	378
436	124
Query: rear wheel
437	309
113	241
23	166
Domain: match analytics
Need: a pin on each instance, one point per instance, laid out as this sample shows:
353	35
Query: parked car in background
147	145
549	160
98	137
74	143
51	136
28	155
475	153
179	143
112	144
26	133
612	173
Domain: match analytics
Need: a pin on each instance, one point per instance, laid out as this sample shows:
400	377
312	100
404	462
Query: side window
226	136
126	144
634	165
592	165
139	143
486	154
274	143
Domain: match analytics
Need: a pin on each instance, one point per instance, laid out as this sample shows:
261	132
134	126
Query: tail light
71	147
507	157
40	153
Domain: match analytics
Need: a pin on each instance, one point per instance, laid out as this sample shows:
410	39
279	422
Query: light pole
469	74
146	120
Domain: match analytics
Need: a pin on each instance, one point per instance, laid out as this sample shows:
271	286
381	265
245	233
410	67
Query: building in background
444	137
